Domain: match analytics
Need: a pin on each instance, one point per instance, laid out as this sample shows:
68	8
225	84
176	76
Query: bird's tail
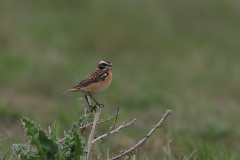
73	89
67	91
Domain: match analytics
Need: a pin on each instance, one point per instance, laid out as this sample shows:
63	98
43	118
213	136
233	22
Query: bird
96	82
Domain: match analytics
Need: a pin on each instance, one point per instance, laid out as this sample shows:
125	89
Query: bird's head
104	64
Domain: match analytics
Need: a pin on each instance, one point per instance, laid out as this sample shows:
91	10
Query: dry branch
49	130
102	121
160	124
168	150
115	131
84	106
91	136
61	140
4	152
113	126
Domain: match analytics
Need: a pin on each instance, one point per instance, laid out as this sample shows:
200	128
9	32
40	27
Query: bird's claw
99	105
91	108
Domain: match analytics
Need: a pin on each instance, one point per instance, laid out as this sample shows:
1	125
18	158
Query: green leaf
67	147
32	130
54	131
20	149
42	147
71	154
25	153
75	126
33	155
49	145
79	146
72	146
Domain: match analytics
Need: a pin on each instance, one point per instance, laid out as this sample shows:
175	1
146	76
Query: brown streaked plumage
98	81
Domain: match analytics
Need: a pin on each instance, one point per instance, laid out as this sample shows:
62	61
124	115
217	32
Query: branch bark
115	131
113	126
102	121
160	124
84	107
91	136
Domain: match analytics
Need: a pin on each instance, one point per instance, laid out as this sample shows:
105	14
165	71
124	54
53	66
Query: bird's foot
100	105
91	108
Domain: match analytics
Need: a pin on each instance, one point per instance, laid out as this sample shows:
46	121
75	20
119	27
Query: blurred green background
178	55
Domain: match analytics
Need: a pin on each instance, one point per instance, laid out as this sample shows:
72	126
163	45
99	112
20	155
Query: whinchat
96	82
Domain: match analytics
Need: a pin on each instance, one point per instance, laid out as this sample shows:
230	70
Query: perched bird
96	82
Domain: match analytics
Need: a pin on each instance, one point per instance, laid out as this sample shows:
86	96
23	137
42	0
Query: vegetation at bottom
183	56
48	147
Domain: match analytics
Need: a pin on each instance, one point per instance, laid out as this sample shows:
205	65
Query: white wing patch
105	74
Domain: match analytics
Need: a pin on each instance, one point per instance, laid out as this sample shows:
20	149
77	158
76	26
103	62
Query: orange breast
98	87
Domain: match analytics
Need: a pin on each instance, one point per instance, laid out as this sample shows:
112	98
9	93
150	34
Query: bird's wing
96	76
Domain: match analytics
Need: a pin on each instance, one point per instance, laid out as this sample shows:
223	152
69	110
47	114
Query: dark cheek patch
100	66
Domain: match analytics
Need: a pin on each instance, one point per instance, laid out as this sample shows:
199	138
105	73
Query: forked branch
160	124
115	131
91	136
102	121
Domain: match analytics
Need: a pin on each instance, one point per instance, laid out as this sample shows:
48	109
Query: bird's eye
104	64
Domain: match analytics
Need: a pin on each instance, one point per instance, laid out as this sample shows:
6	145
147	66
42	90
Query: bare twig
115	131
84	107
102	121
134	157
108	154
160	124
113	126
49	130
28	138
99	156
90	110
85	113
168	150
4	153
138	151
91	136
60	141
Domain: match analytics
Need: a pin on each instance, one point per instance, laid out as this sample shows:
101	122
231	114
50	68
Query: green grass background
178	55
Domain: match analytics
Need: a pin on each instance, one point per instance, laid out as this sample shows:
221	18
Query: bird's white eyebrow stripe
102	62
